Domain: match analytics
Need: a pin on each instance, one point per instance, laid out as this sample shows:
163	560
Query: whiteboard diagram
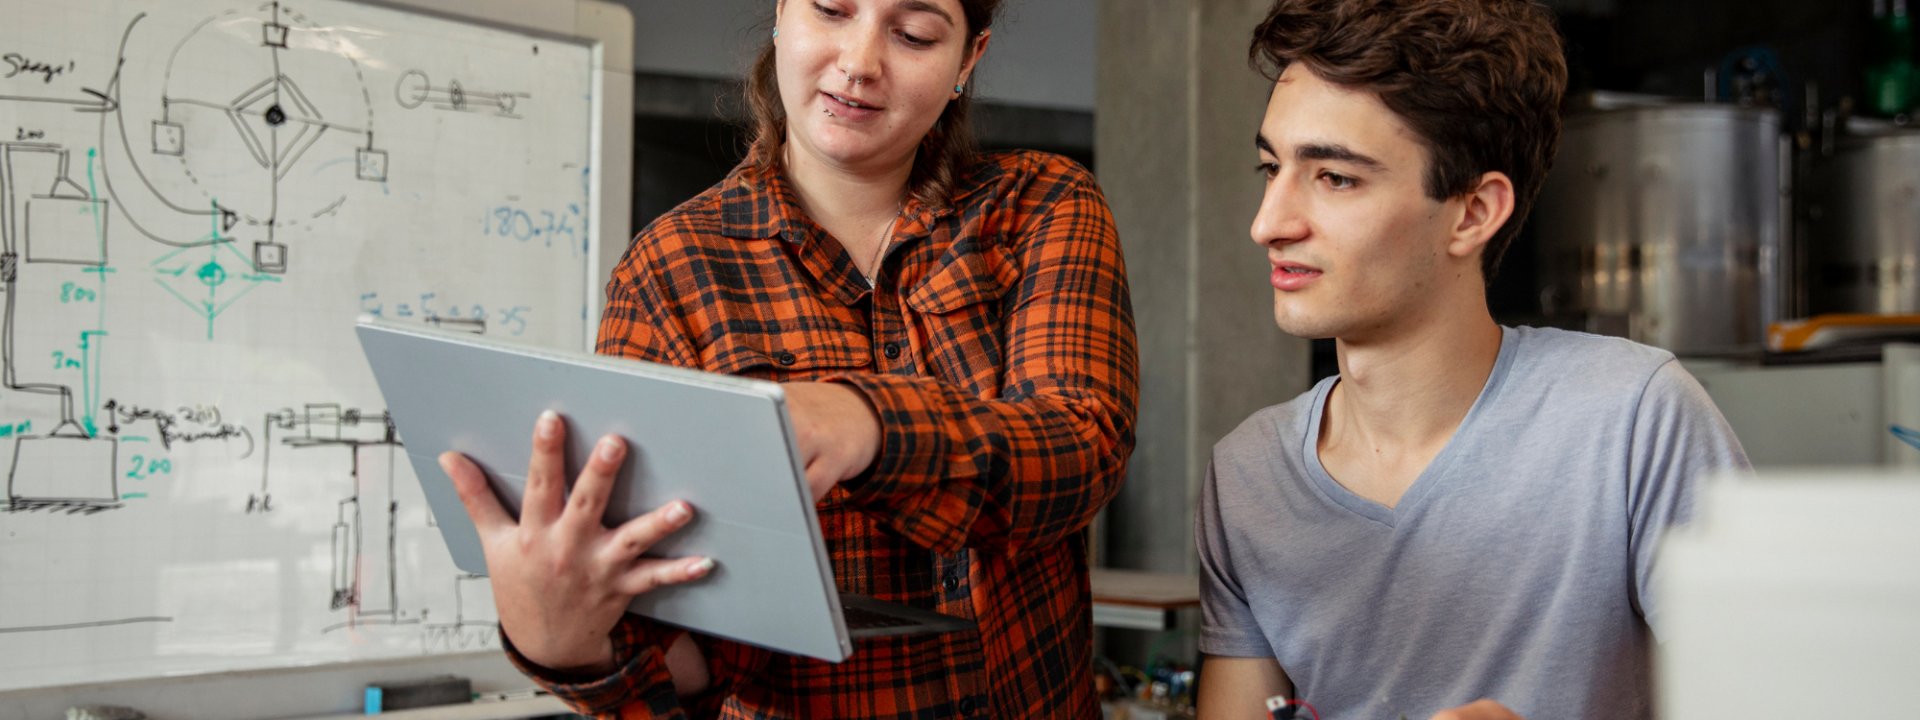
196	201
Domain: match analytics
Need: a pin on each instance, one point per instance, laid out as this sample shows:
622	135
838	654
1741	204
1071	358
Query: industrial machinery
1665	223
1863	220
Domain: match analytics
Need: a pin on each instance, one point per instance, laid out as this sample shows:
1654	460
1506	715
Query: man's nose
1281	219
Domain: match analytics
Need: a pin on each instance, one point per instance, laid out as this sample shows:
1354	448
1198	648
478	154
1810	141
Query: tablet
723	443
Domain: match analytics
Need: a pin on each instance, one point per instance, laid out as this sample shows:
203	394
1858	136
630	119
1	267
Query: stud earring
776	32
959	89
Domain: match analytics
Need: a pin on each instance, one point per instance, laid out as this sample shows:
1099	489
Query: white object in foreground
1800	586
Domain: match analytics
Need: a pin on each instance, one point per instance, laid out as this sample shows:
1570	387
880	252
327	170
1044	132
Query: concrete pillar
1177	109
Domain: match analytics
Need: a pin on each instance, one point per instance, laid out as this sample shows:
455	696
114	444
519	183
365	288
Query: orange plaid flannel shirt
998	348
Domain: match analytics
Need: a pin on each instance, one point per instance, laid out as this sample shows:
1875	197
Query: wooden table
1141	600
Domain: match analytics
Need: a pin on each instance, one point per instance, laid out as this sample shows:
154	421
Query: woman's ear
976	47
1487	207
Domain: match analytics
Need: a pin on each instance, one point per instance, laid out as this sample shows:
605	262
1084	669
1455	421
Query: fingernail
549	424
678	512
609	449
446	464
700	568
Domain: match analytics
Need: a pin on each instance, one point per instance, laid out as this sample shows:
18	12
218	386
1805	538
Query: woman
954	335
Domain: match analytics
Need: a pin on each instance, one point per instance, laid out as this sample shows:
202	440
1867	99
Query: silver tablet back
721	443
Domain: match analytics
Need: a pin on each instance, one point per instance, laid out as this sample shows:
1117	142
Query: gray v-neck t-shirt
1515	568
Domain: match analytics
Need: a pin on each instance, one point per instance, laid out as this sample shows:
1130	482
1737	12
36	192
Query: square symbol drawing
169	138
273	35
270	257
371	165
71	231
59	468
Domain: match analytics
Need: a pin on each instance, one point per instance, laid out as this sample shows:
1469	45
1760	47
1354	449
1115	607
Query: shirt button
966	706
952	583
786	358
892	350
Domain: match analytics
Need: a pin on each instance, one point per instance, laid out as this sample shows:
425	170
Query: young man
1462	523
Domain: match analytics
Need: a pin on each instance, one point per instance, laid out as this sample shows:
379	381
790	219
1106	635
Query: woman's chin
848	147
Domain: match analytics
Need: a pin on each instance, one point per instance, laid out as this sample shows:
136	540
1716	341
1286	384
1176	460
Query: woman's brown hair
1480	81
944	154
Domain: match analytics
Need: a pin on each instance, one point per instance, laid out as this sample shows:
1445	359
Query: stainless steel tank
1664	224
1863	221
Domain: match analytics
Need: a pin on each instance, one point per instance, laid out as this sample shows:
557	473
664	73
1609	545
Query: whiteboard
197	198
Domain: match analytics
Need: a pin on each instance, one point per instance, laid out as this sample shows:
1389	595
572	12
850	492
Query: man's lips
1289	276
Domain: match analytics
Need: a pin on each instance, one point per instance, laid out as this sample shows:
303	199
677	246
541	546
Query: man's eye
1267	170
1340	182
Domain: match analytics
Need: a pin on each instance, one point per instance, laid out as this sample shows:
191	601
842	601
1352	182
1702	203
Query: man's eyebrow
1260	142
926	7
1336	153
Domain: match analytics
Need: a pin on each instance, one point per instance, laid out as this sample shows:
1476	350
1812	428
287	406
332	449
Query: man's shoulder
1600	363
1270	428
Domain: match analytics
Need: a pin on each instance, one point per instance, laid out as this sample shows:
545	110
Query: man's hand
837	429
1478	710
561	579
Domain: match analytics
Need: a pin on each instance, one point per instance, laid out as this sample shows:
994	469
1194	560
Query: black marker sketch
270	257
365	575
370	164
85	625
168	139
415	89
69	469
464	633
274	118
17	63
99	103
70	228
171	426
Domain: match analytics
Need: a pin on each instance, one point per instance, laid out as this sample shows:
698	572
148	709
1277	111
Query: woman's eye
915	41
827	11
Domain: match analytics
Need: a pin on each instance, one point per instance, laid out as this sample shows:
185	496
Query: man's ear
1488	206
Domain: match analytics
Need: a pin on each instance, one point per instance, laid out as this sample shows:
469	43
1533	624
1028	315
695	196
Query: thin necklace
886	238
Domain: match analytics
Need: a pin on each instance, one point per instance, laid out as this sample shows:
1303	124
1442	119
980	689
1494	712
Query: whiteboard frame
606	28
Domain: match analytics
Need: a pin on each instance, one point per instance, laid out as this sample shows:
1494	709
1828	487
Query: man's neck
1403	391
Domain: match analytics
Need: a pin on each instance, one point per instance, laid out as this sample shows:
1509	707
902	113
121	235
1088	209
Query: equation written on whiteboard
430	307
550	227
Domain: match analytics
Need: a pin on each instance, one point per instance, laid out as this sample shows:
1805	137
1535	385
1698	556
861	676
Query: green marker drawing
212	274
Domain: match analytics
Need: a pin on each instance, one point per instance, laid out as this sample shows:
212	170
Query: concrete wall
1178	110
1042	53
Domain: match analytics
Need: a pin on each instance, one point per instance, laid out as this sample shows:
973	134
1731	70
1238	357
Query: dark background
1657	47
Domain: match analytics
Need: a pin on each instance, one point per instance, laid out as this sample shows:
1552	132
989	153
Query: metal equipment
1863	243
1664	224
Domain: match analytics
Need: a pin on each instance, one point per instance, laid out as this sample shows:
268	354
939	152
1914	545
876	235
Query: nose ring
856	81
